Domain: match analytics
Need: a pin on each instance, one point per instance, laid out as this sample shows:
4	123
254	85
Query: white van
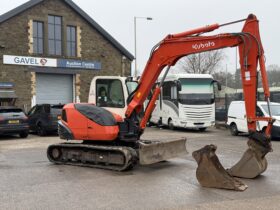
237	120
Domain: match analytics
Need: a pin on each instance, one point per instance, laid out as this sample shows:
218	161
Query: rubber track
74	154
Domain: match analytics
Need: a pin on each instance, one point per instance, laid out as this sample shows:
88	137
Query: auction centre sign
50	62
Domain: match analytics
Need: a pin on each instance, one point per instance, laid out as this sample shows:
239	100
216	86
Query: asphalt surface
29	181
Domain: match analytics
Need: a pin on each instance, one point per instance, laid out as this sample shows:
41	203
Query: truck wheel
233	129
170	124
23	134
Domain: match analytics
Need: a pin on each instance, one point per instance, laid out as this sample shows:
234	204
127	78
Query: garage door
54	88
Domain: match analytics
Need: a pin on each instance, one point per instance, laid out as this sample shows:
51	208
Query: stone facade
16	39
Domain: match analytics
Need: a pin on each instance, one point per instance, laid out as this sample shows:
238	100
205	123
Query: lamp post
135	41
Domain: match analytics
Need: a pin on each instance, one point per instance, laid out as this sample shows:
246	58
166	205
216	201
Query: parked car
13	121
43	118
237	120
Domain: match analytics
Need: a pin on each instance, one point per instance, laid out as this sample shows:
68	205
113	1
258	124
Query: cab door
111	95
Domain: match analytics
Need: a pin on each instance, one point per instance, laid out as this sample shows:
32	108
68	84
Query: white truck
191	104
237	120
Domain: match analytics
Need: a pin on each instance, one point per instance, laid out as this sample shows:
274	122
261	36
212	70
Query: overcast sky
116	17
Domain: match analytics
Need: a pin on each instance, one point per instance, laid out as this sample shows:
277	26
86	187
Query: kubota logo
203	45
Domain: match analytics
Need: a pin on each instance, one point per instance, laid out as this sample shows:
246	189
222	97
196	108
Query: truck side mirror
218	84
179	85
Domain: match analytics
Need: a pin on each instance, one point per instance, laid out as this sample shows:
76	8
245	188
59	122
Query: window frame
71	41
53	25
37	38
111	80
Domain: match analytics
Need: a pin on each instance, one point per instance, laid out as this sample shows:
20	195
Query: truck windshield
275	109
196	91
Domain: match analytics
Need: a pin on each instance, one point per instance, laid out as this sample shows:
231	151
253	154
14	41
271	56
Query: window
55	35
38	37
109	93
166	90
71	41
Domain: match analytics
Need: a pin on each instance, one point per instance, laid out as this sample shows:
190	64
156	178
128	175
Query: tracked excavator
113	142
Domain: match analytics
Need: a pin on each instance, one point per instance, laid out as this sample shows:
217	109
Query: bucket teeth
211	173
253	161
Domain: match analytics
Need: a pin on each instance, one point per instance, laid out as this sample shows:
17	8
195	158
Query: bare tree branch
202	63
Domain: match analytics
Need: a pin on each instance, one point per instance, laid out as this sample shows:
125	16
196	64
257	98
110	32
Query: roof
12	13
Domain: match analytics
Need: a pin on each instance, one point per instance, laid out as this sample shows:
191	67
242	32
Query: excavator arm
210	172
173	47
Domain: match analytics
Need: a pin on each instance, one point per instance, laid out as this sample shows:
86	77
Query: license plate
13	121
59	117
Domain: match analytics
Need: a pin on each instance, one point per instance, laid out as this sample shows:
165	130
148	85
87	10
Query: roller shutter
54	88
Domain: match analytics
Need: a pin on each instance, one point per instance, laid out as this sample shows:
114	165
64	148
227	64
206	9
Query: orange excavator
113	142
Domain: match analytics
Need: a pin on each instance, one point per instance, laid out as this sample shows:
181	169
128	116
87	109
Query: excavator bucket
156	151
253	162
211	173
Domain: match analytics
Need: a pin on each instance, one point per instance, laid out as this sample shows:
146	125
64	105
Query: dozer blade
156	151
211	173
253	161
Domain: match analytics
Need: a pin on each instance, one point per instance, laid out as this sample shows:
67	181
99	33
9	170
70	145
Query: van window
259	112
275	109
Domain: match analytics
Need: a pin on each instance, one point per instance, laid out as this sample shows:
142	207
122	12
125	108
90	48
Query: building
51	49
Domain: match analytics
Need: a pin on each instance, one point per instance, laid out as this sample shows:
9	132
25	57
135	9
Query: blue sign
7	85
78	64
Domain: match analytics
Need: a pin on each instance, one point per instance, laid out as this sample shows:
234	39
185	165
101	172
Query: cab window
109	93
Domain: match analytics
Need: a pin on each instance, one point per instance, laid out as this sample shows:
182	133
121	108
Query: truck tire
23	134
233	129
170	124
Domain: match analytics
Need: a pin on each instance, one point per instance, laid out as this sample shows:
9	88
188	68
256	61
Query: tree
202	63
273	74
224	78
237	79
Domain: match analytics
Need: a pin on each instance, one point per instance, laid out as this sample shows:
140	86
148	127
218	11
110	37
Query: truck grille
198	113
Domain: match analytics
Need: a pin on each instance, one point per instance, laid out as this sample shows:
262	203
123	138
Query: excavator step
116	158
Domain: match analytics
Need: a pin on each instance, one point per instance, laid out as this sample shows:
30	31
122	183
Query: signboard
29	61
51	62
78	64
